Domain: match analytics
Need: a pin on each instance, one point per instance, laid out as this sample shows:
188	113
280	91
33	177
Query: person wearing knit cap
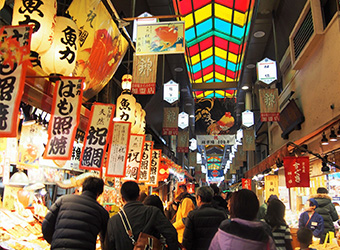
312	220
326	209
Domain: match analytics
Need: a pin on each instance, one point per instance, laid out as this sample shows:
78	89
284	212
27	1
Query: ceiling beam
214	86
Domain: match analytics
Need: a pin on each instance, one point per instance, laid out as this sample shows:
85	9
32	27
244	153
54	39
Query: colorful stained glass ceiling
215	33
214	159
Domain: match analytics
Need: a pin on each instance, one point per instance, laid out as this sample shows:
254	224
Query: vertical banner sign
134	156
296	171
269	105
192	159
144	75
241	153
183	141
14	56
155	161
62	128
271	184
246	183
170	121
118	150
248	140
96	137
144	171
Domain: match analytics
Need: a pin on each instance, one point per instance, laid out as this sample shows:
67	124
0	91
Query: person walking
202	223
326	209
186	204
280	230
142	218
74	221
242	232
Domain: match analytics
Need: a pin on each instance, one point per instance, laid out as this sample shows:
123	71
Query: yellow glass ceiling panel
208	76
199	80
219	76
189	21
221	53
223	12
232	57
220	92
230	79
239	18
195	59
207	53
206	93
203	13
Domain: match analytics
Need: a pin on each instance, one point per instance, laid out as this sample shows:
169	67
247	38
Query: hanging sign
134	156
62	127
183	141
155	162
144	74
247	118
246	183
183	120
248	140
144	170
296	171
266	71
215	173
269	106
14	56
118	149
170	92
215	139
193	144
95	142
140	21
170	121
271	184
160	38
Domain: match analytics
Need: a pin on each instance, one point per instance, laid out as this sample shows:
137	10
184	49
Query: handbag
145	241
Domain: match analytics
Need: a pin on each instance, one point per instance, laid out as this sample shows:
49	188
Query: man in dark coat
142	218
326	209
74	221
202	223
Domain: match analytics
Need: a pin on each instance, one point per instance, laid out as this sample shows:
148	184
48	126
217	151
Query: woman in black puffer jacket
326	209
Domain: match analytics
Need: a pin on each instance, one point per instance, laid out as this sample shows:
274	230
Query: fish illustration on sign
168	36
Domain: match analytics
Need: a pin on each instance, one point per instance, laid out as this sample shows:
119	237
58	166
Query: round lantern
138	119
24	197
61	57
42	15
142	123
2	3
126	82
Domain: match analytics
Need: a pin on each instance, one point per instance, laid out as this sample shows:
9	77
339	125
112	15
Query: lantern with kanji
40	13
138	119
61	57
126	103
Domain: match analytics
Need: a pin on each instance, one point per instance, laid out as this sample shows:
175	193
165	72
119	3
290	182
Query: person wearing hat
312	220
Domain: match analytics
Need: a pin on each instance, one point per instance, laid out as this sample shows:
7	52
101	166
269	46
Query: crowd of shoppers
200	222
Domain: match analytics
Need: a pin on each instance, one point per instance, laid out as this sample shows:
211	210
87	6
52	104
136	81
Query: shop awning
268	162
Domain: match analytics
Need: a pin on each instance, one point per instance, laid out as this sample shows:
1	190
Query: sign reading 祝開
62	128
135	153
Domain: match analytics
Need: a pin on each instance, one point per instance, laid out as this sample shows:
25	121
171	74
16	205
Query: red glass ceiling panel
198	75
234	48
220	70
228	3
193	50
221	43
231	74
200	3
185	7
242	5
207	70
207	43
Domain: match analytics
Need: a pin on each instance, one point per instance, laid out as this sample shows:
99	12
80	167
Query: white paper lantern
126	108
143	123
138	119
42	15
61	57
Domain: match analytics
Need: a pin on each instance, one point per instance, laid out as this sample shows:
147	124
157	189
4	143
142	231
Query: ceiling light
245	87
325	167
178	69
184	90
250	66
191	116
324	140
332	136
188	104
259	34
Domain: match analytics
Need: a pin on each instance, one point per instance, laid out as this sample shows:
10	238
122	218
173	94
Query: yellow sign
271	184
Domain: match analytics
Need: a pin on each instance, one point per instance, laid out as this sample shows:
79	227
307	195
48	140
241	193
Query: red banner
96	137
296	171
65	115
246	183
14	54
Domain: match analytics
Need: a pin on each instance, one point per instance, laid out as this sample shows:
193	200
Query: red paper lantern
163	172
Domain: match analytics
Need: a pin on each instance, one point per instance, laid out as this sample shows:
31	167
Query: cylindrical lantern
2	3
126	82
142	123
126	108
42	15
138	119
61	57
